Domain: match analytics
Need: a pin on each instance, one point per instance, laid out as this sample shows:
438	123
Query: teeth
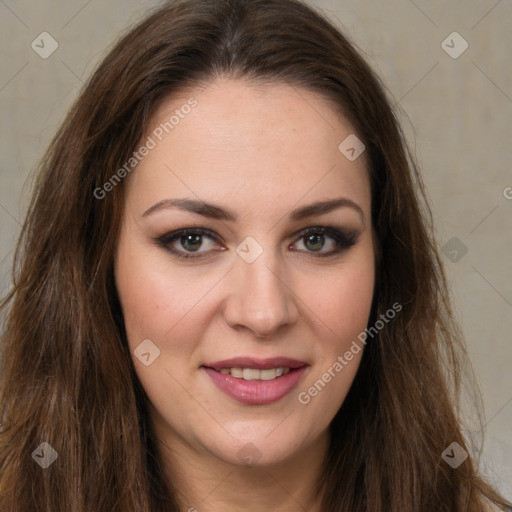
270	374
250	374
237	372
253	374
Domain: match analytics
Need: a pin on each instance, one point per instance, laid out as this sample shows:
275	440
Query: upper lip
256	363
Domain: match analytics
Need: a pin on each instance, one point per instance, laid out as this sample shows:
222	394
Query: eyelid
167	239
343	237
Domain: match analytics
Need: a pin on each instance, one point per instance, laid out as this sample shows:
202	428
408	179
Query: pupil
194	240
317	240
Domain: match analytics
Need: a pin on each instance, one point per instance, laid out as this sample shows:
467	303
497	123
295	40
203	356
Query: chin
259	452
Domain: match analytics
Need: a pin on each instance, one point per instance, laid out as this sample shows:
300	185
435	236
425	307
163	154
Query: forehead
247	144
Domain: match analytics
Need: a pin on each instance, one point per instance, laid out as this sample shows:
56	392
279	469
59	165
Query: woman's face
233	325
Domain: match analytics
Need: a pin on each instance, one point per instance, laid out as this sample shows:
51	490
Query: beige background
458	117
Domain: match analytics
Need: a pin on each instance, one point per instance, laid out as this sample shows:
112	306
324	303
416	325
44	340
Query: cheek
162	306
341	299
348	308
341	302
158	302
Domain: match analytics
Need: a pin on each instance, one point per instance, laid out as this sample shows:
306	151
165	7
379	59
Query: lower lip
256	392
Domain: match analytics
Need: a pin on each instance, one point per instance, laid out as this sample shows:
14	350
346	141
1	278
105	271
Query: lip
256	392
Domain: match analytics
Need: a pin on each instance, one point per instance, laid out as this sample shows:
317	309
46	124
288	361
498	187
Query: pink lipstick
253	381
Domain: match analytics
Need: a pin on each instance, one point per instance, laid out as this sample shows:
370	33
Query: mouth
256	381
255	374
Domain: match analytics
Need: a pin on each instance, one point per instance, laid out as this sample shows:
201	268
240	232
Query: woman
227	293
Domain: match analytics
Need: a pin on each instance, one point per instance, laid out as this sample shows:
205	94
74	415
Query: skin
262	151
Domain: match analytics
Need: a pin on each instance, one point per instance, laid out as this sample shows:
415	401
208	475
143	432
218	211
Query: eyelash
343	240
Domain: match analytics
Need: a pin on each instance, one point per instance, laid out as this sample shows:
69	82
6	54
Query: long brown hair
67	377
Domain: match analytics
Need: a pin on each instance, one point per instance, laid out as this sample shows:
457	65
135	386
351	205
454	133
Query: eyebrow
213	211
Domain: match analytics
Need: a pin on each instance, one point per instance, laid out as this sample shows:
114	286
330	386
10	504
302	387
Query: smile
256	381
254	374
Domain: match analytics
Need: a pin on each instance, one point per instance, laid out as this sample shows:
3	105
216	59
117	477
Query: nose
259	298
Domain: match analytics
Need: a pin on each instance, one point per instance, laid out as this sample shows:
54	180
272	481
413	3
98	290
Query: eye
187	243
315	239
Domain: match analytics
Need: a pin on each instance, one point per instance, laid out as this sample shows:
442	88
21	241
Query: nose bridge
260	299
